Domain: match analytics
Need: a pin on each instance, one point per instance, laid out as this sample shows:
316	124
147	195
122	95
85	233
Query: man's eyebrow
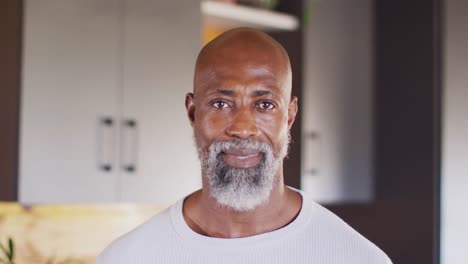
225	91
254	93
261	92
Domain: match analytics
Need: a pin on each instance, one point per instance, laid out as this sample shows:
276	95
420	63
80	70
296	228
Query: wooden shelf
223	15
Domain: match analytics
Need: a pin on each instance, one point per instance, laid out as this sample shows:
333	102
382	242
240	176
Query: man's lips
242	158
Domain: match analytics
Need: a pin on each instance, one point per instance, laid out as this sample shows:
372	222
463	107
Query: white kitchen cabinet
337	95
161	43
69	81
102	110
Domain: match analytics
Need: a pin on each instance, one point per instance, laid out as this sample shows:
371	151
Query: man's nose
243	124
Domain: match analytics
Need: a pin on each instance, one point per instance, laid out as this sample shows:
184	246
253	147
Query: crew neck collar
187	234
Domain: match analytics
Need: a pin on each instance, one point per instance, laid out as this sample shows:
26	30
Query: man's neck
206	217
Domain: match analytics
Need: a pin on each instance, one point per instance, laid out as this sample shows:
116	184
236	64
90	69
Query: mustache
240	143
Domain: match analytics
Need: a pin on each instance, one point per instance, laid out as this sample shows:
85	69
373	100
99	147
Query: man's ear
190	106
292	111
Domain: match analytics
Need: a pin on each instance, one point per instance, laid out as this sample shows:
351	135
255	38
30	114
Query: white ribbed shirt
315	236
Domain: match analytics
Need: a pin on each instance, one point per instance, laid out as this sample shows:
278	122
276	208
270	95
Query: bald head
240	50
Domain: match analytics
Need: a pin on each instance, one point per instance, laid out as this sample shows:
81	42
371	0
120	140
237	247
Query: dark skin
242	89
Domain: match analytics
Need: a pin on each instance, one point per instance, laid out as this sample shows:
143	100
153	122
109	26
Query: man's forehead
225	72
252	80
242	57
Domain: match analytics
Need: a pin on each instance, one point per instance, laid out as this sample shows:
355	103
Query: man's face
241	113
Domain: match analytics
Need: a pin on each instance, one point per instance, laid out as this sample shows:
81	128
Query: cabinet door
162	39
69	83
337	109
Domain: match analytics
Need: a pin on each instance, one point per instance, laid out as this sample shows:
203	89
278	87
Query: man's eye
220	104
266	105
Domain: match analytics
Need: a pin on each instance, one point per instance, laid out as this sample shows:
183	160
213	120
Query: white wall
337	103
454	237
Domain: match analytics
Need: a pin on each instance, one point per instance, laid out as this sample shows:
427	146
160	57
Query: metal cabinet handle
129	145
106	142
312	153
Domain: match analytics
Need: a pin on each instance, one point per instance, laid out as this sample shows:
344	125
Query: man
241	111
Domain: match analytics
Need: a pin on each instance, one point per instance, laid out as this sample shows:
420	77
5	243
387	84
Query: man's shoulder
331	230
133	243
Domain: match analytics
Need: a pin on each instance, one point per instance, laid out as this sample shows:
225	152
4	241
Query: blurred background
94	137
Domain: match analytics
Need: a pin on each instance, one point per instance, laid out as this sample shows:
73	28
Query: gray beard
242	189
